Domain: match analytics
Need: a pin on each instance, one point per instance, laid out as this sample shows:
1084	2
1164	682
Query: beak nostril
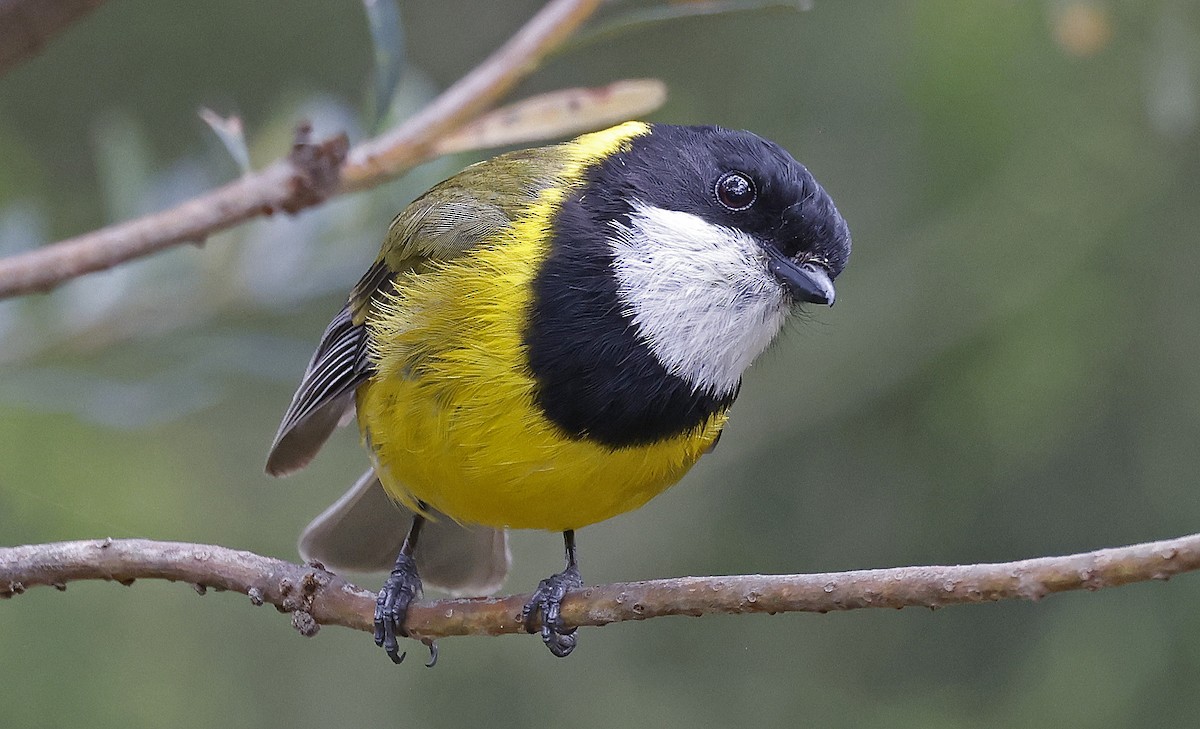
809	282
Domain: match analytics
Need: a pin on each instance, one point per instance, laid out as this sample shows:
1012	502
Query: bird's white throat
700	294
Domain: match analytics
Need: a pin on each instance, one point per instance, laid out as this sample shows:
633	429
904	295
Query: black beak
808	282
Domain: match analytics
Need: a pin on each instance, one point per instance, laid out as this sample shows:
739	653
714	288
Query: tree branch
292	184
316	597
409	144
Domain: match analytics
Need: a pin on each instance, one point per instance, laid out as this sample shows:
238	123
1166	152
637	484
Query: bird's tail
363	531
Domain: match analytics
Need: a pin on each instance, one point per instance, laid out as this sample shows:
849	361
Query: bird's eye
735	191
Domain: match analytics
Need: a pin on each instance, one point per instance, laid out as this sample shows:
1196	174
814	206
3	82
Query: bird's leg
545	606
400	589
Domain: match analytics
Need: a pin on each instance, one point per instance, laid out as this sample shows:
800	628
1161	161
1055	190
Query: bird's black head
673	264
740	181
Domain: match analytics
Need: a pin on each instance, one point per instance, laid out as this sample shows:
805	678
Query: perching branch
313	172
315	597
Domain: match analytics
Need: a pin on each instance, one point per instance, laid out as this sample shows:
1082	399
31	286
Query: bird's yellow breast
451	415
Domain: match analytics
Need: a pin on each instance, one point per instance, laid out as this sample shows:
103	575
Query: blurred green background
1010	371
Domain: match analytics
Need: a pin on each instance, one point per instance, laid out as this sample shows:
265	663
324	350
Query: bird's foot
545	607
391	607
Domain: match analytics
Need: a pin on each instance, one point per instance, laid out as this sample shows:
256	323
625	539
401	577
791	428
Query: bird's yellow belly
450	414
482	453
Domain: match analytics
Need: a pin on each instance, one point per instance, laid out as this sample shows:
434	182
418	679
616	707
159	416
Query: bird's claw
391	607
545	608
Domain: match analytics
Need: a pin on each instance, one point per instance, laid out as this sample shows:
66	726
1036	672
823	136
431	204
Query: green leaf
387	37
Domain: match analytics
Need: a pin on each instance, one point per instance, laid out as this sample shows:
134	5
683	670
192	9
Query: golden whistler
548	339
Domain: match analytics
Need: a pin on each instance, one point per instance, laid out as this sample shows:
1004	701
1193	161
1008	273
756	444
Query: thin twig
316	597
287	184
304	178
393	152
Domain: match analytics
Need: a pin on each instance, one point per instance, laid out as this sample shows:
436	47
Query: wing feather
325	395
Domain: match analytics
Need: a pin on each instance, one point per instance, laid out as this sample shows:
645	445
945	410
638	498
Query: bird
547	339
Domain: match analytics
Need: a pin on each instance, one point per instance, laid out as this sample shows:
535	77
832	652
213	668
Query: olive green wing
446	222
